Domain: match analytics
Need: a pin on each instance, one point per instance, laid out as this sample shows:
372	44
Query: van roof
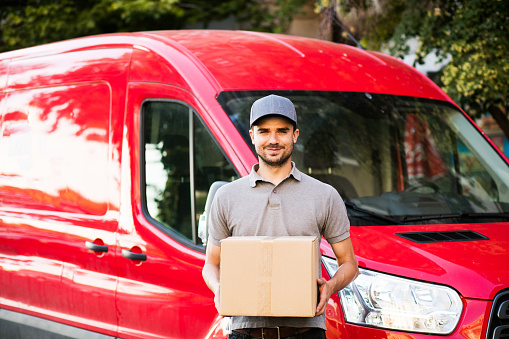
243	60
259	61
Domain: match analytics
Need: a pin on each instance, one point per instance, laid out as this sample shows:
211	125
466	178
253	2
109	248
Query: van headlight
381	300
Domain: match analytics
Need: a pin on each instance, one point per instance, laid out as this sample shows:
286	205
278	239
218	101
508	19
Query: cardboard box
269	276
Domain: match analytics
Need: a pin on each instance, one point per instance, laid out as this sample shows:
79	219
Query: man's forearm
346	273
210	275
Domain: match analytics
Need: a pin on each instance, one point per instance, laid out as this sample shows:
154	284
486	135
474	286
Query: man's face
273	138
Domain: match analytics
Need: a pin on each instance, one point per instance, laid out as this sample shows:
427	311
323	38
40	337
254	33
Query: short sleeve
337	224
218	225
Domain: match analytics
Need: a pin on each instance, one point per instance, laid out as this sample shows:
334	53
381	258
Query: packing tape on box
264	277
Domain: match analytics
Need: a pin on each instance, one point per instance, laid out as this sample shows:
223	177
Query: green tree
473	34
25	23
34	22
272	16
372	23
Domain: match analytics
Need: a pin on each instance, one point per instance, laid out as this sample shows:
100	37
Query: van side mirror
203	228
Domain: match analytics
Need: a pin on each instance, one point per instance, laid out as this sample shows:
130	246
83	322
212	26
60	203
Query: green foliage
277	15
26	23
370	22
41	21
34	22
473	35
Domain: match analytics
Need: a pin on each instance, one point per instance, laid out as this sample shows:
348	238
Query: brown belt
273	333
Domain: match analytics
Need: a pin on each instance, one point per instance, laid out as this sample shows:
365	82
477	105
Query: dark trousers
314	333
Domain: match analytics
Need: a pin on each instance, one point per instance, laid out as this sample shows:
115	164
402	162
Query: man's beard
276	162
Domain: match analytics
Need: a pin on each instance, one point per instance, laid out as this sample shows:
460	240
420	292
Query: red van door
58	180
56	206
168	165
30	272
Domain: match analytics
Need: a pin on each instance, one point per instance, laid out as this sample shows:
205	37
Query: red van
110	145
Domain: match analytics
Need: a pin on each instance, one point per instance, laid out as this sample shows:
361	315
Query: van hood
475	268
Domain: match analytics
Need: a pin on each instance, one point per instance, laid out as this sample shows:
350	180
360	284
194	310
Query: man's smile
273	148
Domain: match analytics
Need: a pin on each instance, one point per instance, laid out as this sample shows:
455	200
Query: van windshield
392	158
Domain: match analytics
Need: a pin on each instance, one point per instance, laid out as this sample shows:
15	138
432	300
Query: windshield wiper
459	215
371	213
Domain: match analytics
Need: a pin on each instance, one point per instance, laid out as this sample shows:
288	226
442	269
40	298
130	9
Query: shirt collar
254	177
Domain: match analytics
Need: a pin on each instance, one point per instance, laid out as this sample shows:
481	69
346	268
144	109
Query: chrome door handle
134	256
97	248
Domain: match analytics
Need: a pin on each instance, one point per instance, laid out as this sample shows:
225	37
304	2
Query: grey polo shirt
298	206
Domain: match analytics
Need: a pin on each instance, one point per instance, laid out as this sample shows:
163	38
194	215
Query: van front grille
498	327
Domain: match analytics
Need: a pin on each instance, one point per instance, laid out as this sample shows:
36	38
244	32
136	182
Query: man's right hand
217	299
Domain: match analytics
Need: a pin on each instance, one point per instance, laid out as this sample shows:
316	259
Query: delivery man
276	199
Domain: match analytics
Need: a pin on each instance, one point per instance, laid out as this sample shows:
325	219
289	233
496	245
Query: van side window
181	161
